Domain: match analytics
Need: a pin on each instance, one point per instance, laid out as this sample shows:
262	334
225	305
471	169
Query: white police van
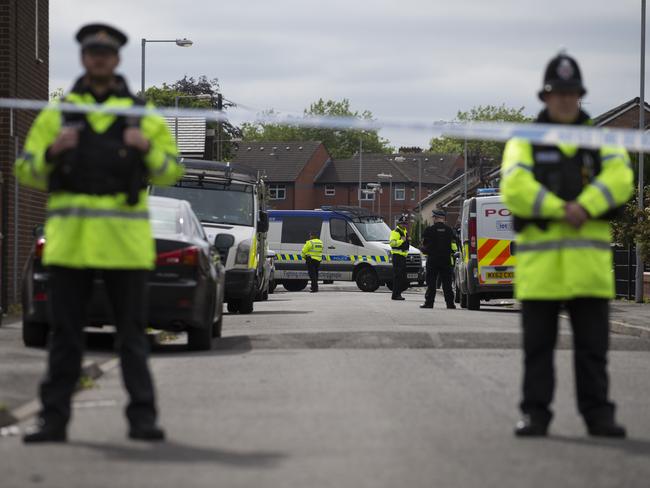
355	247
485	265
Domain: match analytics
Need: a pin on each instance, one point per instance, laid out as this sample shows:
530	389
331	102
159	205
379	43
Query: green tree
57	94
634	225
189	88
341	143
481	151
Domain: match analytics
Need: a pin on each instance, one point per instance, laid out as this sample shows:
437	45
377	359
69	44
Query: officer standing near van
399	249
439	244
312	252
96	167
562	198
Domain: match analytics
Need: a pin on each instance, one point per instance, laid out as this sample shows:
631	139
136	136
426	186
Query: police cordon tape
543	134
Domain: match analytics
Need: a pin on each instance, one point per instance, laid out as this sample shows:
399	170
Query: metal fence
624	271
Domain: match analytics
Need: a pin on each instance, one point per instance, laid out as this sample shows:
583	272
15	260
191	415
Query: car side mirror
263	222
354	239
223	241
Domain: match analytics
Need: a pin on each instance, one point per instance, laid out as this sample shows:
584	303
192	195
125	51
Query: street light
390	195
200	96
179	42
638	292
376	190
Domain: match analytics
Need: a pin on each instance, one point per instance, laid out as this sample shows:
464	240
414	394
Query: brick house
289	169
24	73
338	182
624	116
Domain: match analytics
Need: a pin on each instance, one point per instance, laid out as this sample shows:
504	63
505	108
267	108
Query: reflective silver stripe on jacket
523	166
606	193
97	212
539	199
164	165
564	244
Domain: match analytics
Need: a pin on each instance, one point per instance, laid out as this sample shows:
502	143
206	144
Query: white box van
355	247
486	263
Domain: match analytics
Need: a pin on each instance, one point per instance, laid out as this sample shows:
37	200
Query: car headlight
243	252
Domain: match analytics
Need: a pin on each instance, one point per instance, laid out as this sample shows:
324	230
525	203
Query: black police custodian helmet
562	74
439	213
101	36
403	219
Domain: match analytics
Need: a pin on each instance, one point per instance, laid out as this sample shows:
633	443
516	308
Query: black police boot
426	305
398	298
451	306
151	433
46	432
531	427
606	429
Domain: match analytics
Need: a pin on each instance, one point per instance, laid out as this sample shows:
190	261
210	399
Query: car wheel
200	338
473	301
35	334
233	306
295	285
367	280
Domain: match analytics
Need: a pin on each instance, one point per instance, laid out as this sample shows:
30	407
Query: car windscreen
164	220
215	203
373	229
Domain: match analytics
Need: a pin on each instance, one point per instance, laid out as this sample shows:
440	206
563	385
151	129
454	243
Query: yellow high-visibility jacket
397	241
314	249
97	231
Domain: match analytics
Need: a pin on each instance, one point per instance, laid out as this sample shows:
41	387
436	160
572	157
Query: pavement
349	389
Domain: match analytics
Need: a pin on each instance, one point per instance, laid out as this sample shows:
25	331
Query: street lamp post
390	195
179	42
360	164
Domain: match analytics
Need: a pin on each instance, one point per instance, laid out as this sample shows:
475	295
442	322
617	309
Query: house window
330	190
412	193
277	192
367	193
400	192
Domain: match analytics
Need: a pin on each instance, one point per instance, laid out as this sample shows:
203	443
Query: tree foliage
189	88
479	152
339	143
634	226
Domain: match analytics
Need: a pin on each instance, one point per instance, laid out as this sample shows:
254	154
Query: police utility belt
101	164
565	177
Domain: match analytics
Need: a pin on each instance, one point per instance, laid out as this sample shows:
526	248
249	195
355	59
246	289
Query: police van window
340	230
295	230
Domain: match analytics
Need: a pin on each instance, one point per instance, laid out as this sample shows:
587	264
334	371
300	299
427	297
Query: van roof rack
218	168
350	210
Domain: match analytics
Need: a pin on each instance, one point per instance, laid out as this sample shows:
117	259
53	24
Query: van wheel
233	306
473	301
295	285
35	334
367	280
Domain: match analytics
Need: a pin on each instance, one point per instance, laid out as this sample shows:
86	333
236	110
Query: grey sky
408	59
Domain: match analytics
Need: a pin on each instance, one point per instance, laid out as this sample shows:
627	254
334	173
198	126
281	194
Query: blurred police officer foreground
563	198
95	167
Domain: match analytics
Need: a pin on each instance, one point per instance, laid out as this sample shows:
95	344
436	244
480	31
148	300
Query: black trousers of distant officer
590	324
312	268
400	280
443	272
69	296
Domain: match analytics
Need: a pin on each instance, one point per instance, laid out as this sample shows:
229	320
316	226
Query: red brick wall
306	193
21	76
629	120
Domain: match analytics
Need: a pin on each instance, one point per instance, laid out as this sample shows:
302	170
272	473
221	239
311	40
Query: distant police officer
96	167
312	252
399	249
562	197
439	244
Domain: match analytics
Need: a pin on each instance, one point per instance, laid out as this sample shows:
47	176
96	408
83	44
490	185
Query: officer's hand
67	139
133	137
576	215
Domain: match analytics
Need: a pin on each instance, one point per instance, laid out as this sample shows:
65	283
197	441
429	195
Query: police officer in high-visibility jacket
312	252
439	244
399	249
96	167
562	198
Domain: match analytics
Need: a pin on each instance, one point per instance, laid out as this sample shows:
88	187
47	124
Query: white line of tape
592	137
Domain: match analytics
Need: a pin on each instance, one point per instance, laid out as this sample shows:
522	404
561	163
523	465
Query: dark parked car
185	290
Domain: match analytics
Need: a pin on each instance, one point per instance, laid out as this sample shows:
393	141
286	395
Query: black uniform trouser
70	292
435	272
590	324
400	280
312	269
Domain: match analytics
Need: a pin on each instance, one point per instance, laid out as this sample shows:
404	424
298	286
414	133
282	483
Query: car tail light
472	235
38	247
40	297
187	256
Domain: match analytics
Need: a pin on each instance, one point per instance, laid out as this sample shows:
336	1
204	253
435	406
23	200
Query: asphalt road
348	389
